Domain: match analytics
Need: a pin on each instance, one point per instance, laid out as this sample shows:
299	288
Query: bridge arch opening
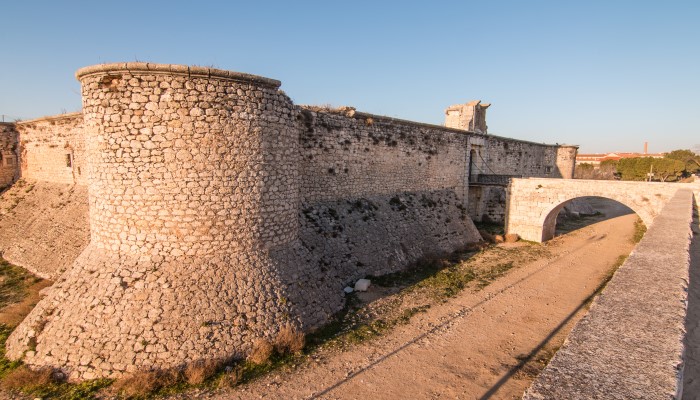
578	212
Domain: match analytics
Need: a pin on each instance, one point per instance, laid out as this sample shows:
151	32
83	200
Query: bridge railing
493	179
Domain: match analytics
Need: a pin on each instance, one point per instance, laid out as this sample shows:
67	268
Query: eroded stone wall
9	154
52	149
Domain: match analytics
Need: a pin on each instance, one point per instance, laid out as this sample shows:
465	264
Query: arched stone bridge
534	203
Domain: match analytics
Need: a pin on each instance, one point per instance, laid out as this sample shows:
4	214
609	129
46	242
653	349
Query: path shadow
605	209
524	360
459	314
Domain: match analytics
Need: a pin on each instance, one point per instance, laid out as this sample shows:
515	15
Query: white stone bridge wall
630	345
532	204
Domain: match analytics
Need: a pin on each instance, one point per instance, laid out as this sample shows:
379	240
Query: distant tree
633	169
608	170
668	169
664	169
681	155
584	171
689	158
605	171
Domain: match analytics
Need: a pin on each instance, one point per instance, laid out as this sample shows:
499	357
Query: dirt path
486	344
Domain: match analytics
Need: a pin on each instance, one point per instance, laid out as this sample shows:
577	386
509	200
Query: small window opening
547	170
10	161
69	161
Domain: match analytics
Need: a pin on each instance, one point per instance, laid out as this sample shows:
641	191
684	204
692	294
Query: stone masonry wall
503	156
377	194
9	155
52	149
347	155
493	155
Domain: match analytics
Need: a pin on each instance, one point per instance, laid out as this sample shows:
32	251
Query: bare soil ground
489	341
43	226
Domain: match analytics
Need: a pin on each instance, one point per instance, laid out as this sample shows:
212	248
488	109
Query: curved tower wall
187	160
193	191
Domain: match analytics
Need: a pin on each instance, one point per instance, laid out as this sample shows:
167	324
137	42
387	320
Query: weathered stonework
469	117
219	211
52	149
9	155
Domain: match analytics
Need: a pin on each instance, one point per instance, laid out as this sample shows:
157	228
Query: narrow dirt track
474	346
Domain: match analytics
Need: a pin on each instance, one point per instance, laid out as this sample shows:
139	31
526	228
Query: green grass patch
13	283
639	230
490	275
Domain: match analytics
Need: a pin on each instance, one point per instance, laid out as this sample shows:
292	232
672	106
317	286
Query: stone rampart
630	344
347	154
52	149
9	154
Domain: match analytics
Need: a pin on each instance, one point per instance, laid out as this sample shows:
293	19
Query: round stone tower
193	189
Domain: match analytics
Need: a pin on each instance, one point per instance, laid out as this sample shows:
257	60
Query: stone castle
220	211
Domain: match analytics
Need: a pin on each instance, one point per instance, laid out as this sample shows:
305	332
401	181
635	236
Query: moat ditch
426	303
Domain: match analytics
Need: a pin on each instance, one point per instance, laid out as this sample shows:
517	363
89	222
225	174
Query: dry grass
262	351
145	382
23	378
201	370
230	378
289	340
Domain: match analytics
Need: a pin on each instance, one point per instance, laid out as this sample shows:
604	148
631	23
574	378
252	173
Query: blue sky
606	75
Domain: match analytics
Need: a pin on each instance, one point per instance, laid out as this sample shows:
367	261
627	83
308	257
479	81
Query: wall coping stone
50	118
351	112
176	69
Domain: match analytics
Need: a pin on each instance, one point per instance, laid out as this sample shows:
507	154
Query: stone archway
549	224
532	204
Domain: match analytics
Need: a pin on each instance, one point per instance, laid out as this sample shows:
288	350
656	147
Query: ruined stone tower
469	117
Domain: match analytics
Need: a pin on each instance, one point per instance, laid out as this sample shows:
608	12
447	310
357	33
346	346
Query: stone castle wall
52	150
494	155
9	154
210	189
346	154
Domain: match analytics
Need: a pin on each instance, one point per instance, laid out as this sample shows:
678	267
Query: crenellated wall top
176	69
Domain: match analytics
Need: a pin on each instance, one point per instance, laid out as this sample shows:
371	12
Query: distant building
597	158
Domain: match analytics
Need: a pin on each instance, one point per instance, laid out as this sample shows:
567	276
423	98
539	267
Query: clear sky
606	75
